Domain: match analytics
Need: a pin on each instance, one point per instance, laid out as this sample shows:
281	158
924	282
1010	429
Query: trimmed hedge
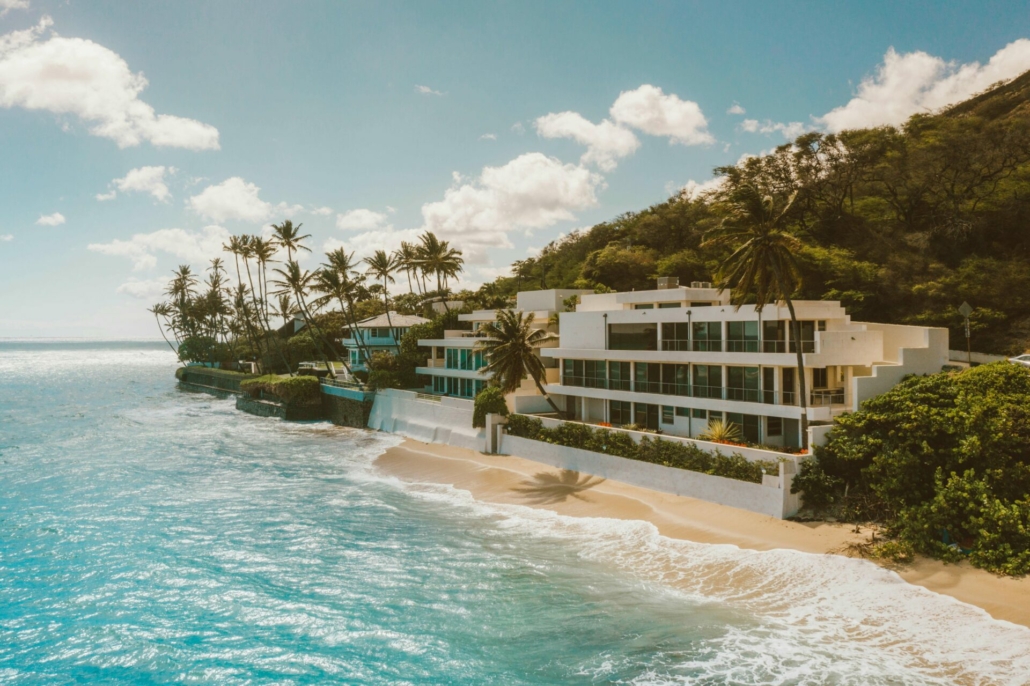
656	451
490	400
296	391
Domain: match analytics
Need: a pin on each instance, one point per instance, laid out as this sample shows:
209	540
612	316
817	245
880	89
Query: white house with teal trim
676	358
455	367
377	333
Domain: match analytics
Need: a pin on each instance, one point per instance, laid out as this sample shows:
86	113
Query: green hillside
901	225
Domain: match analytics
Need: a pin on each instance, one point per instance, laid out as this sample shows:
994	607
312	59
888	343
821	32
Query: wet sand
514	480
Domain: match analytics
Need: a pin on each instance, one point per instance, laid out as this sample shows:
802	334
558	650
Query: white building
454	365
676	358
375	334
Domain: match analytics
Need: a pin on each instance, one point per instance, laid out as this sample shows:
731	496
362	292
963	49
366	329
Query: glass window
707	381
773	426
742	383
742	337
648	377
668	412
699	414
675	336
676	379
646	415
807	338
819	378
668	306
644	306
682	411
707	336
633	337
774	337
768	385
620	412
619	376
787	391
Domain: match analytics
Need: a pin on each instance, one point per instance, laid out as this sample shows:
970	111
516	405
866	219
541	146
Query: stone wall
204	379
346	411
269	408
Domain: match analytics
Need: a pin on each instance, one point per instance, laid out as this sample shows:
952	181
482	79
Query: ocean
150	535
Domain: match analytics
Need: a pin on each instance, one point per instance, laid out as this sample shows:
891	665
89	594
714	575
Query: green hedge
296	391
654	450
490	400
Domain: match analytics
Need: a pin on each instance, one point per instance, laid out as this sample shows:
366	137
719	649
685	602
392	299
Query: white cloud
694	190
8	5
234	198
736	109
6	237
488	137
142	248
426	90
74	76
790	131
365	243
606	142
142	180
55	219
518	128
918	82
322	211
391	210
531	191
650	110
360	220
144	290
104	197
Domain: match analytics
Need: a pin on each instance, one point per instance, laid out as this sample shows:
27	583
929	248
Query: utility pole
965	310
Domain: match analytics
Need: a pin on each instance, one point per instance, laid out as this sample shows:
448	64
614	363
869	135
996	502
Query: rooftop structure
375	334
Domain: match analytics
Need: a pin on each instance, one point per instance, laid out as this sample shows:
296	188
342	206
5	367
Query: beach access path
514	480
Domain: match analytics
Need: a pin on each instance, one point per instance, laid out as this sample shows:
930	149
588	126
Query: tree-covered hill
900	224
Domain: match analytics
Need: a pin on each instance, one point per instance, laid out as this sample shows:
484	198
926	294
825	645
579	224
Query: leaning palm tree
296	281
381	265
407	261
762	264
439	258
510	346
288	236
162	310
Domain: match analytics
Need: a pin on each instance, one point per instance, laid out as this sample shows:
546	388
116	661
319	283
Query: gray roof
398	321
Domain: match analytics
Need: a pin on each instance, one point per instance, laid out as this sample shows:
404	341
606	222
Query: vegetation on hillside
942	461
901	225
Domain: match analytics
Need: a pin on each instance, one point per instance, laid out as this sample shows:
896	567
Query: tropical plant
288	236
719	431
296	281
440	259
511	345
762	266
381	265
490	400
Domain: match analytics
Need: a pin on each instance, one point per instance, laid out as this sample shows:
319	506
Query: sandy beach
514	480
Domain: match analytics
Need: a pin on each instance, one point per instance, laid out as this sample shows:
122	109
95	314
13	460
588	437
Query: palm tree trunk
165	336
311	322
263	277
539	386
795	334
393	332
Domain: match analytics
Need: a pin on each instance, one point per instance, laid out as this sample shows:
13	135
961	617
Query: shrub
943	461
490	400
653	450
296	391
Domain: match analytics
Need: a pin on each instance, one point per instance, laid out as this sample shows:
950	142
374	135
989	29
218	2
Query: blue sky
136	136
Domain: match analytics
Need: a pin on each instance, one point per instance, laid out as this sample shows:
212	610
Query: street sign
965	309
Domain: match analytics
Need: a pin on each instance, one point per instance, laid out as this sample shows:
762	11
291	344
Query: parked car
1022	359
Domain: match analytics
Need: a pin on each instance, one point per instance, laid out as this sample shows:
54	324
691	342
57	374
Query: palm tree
762	264
288	236
284	308
297	281
162	310
263	251
382	265
439	258
510	346
407	260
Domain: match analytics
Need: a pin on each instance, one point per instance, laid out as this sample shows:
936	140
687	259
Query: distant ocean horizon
153	535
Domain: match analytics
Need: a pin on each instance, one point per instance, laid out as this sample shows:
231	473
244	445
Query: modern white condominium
676	358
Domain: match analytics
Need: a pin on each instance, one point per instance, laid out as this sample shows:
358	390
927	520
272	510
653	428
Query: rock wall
346	411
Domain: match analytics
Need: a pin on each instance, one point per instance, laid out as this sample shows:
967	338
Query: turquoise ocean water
150	535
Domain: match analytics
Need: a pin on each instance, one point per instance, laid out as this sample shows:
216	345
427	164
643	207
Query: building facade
378	333
675	359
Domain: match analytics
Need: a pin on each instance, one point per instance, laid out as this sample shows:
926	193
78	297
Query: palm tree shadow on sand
546	488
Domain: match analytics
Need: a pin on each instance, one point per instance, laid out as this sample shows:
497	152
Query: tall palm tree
288	236
439	258
263	251
162	310
343	287
407	260
762	264
510	347
297	281
381	265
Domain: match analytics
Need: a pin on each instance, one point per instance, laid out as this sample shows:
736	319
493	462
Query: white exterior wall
447	420
909	360
772	497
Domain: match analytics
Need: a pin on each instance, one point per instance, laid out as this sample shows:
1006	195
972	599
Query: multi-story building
377	333
455	366
676	358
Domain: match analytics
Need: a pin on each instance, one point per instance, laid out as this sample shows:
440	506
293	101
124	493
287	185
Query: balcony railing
819	398
830	396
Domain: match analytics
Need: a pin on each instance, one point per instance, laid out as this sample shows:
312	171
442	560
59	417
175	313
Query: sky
135	137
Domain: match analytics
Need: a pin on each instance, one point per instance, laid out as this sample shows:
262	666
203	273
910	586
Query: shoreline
514	480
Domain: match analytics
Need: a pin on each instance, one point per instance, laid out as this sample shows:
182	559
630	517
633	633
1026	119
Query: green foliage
296	391
949	453
490	400
619	267
654	450
721	432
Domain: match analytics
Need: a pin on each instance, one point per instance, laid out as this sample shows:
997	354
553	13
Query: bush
654	450
490	400
943	461
296	391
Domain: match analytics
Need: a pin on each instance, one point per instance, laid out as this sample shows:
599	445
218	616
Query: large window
742	384
742	337
675	336
787	391
807	338
620	412
648	377
463	358
645	415
774	337
749	425
676	379
707	336
633	337
707	381
464	388
768	385
668	414
584	373
619	376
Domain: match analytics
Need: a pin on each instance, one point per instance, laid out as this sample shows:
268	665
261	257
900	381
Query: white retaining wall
447	420
772	497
